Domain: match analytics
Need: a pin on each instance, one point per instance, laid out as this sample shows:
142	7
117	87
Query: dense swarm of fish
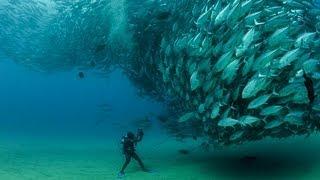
239	66
57	35
240	70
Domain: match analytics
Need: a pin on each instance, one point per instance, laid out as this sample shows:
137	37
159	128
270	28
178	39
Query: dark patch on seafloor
261	167
184	151
288	163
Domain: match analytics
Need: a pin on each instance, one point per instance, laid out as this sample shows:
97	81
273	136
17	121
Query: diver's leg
137	158
128	159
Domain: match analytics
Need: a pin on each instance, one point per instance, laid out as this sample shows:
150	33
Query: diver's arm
139	135
139	138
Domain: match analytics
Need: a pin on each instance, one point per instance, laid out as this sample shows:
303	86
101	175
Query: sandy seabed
92	159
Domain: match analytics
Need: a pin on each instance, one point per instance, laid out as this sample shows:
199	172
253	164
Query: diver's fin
120	175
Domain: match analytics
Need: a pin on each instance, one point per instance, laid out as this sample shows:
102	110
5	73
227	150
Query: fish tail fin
274	93
264	119
256	23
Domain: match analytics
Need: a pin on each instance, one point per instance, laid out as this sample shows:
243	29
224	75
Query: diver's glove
140	132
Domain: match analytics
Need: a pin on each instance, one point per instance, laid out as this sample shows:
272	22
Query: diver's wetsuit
129	150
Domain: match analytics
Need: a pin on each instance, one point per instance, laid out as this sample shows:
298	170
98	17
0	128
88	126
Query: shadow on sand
259	166
291	161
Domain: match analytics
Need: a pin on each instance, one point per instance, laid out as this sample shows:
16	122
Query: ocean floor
33	158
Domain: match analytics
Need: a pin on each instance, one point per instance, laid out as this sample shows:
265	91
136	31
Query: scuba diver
129	142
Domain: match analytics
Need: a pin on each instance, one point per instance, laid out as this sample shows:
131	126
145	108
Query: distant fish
259	101
81	75
271	110
186	117
163	15
100	48
273	124
249	120
228	122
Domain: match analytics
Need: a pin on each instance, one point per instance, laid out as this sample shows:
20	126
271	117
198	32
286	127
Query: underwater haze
40	104
211	89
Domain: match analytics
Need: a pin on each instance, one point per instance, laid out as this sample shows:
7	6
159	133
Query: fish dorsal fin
256	23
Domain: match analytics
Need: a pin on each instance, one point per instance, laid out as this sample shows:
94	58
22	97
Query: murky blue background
60	104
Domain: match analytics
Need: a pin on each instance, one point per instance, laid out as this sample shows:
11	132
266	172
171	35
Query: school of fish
238	66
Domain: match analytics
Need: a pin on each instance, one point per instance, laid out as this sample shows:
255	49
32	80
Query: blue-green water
36	103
